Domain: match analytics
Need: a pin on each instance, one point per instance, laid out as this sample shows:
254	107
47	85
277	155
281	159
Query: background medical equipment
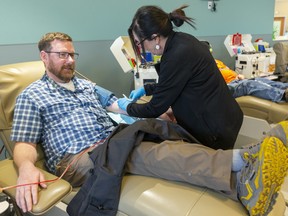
143	69
252	64
248	61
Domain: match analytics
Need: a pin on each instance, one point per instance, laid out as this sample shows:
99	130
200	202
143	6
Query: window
280	25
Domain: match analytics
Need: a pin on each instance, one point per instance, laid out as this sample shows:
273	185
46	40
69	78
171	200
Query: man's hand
27	196
25	156
168	116
240	77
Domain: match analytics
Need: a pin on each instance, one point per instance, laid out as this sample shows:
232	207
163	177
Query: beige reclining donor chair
264	109
140	195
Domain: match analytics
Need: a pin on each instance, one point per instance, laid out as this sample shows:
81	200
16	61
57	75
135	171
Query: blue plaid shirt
63	121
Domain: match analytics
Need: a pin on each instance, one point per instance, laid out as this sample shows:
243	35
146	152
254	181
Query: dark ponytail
178	17
149	20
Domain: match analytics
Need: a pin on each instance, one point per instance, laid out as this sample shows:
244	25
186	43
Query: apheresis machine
249	61
143	69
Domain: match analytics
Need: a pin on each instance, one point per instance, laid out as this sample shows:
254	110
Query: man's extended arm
25	156
115	108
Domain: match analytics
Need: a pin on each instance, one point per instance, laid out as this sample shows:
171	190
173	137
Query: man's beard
63	73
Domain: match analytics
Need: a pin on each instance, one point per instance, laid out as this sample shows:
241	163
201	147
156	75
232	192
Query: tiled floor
58	210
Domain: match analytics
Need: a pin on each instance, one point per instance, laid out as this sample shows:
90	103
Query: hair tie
170	17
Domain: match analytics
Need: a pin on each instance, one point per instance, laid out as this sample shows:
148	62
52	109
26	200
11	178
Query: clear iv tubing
55	179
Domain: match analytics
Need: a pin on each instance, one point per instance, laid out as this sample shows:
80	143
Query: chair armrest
264	109
47	198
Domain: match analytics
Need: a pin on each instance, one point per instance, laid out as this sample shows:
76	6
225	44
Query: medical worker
189	80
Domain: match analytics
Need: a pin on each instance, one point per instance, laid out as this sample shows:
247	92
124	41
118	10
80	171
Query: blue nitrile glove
137	93
123	103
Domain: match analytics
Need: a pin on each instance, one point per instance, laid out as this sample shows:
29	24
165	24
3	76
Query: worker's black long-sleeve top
190	82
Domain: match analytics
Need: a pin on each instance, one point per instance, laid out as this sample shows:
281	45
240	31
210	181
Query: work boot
261	178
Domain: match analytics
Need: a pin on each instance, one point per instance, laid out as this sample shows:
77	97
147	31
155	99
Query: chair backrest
281	62
13	79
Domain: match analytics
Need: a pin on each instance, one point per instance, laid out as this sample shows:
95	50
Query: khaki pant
172	160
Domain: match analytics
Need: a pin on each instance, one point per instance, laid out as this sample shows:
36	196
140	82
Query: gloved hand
123	103
137	93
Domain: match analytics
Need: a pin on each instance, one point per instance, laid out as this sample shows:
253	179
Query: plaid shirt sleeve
27	124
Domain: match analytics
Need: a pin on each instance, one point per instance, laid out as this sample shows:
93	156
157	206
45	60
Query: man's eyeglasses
65	55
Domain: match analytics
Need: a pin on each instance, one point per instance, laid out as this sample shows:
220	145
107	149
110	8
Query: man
259	87
68	115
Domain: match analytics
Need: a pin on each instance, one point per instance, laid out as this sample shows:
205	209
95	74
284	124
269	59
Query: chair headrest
14	79
281	63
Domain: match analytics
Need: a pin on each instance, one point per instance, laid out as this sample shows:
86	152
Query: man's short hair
45	41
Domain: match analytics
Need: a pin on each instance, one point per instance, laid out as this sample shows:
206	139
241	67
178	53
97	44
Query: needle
130	99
